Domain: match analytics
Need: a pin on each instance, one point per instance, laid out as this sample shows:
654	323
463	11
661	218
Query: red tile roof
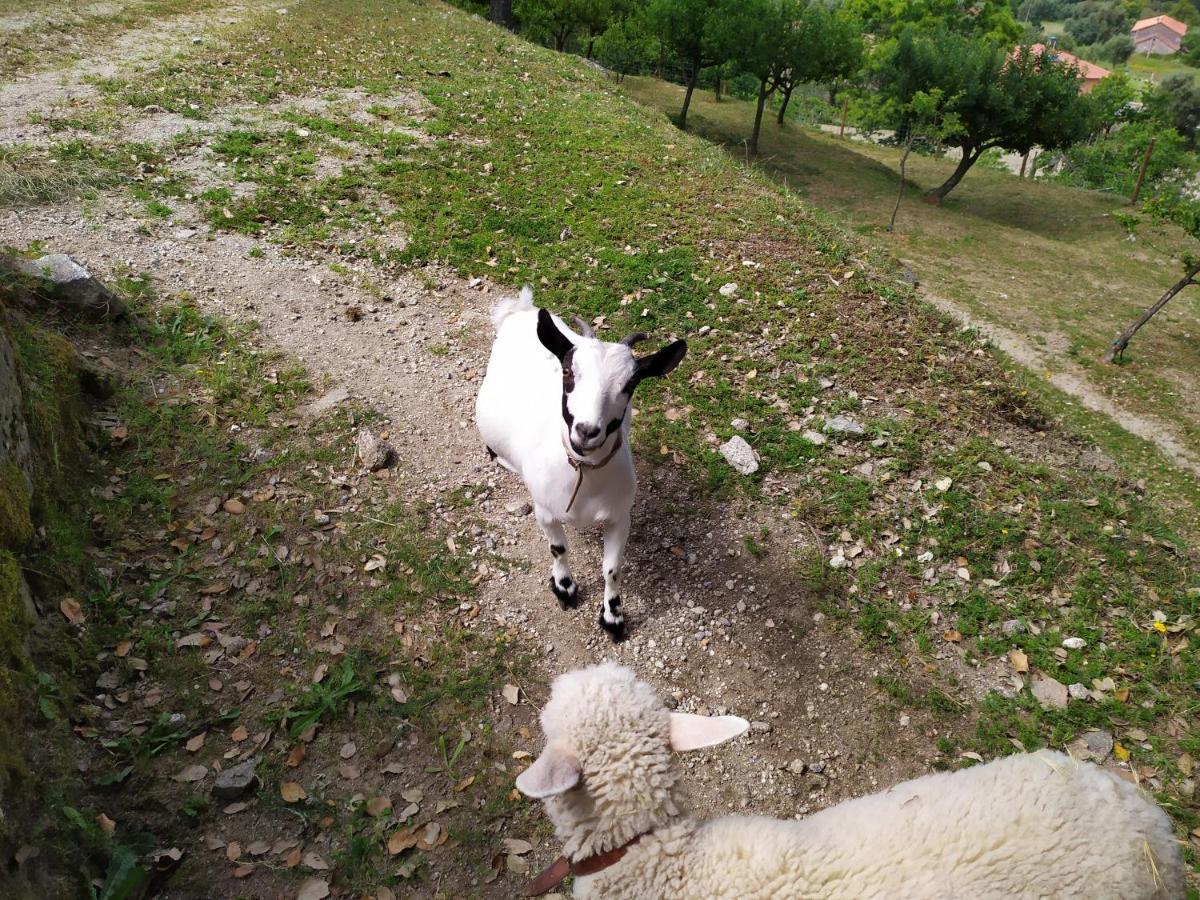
1087	71
1174	24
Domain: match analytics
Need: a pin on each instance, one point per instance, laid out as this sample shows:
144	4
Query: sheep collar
554	874
580	464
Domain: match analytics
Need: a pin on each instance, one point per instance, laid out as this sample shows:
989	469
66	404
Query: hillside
346	186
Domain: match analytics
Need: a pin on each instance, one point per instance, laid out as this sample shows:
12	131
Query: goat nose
586	432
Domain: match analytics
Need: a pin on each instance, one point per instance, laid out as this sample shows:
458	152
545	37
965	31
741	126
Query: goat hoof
616	630
491	453
567	592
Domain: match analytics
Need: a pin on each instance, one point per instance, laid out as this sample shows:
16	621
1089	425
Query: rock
1012	626
327	402
740	424
67	283
844	425
236	781
373	452
815	437
1078	691
762	727
1049	693
518	508
740	455
1099	743
728	289
796	767
1074	643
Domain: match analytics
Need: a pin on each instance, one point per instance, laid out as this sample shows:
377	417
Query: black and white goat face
599	379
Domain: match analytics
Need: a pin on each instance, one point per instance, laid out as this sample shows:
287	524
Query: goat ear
552	773
551	336
689	732
658	364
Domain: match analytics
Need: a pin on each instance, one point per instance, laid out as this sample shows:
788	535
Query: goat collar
554	874
580	464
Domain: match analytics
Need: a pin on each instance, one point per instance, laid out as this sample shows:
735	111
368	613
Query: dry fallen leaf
72	611
314	889
464	784
1020	662
517	846
348	750
296	756
239	734
233	851
196	742
401	840
377	806
107	825
123	649
192	773
292	792
315	861
1120	752
952	635
511	693
258	848
234	507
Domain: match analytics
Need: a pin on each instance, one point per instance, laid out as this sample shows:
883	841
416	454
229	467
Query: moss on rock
16	525
14	664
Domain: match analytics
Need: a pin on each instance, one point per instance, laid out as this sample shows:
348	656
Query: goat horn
634	338
584	328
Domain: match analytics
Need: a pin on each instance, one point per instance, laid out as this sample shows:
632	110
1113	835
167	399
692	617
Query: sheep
554	408
1031	825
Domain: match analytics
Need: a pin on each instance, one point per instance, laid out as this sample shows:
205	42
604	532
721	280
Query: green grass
1046	261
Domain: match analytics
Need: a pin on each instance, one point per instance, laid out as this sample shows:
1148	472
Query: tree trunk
758	113
908	143
1122	341
501	14
970	155
787	97
687	97
560	39
591	45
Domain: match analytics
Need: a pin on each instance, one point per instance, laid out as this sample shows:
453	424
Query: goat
1030	825
554	408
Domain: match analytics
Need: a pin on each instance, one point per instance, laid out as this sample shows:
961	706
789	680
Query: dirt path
1072	380
37	93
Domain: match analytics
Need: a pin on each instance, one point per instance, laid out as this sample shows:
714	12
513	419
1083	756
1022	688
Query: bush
1094	21
1111	163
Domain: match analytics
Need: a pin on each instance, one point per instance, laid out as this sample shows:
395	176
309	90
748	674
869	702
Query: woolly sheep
554	407
1032	825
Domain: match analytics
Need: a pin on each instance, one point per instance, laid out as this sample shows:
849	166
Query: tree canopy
1014	101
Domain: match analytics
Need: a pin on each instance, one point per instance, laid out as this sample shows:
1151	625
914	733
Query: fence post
842	130
1137	188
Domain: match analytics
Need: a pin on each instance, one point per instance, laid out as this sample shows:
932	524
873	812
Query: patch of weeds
322	700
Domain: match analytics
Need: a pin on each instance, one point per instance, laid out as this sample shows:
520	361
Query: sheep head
606	772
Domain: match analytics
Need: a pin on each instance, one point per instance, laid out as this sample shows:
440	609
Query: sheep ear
689	732
658	364
552	773
551	336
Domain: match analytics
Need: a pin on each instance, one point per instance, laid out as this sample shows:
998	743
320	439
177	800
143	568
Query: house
1161	35
1090	74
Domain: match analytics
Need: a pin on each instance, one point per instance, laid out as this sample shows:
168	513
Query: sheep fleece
1036	825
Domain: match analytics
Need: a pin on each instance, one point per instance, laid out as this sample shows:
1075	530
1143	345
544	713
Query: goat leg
564	586
612	615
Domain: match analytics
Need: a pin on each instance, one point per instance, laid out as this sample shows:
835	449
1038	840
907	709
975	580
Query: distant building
1161	35
1090	74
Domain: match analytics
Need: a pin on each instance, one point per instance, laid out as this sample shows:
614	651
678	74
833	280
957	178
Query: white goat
1032	825
554	407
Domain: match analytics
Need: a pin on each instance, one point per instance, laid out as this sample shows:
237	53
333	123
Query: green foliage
1176	103
889	18
996	99
1095	21
1111	163
324	698
1110	99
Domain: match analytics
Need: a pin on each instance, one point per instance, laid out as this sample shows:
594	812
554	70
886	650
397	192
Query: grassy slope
543	173
1044	260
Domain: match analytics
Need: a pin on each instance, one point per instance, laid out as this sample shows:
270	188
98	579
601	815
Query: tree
824	46
1095	21
696	31
1015	101
759	33
1176	103
501	13
926	116
1110	99
1184	211
889	18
